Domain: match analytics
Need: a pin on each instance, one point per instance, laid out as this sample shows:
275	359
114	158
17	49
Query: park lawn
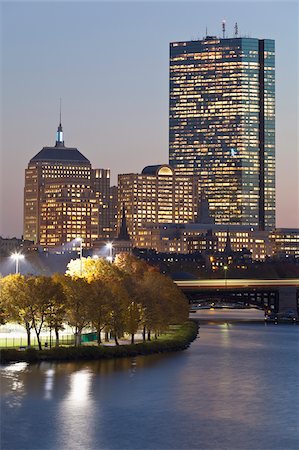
17	342
177	340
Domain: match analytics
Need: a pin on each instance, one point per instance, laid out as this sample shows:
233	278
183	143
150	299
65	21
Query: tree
163	303
4	317
116	318
56	312
93	269
42	291
133	319
77	291
17	301
130	264
99	305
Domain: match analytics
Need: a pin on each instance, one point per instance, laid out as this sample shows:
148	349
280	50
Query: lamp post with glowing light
225	268
17	257
109	246
80	240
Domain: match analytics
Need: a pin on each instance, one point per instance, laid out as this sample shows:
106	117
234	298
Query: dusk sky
109	61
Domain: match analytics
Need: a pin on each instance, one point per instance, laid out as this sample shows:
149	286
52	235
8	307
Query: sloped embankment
178	339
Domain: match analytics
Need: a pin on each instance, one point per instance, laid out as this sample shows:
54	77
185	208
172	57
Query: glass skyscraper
222	125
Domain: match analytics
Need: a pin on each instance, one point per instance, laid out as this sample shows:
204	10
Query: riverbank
178	339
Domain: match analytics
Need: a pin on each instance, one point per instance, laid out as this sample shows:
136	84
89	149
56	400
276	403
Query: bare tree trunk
144	333
116	341
148	335
132	338
156	336
38	339
99	340
78	338
56	336
106	336
28	331
37	332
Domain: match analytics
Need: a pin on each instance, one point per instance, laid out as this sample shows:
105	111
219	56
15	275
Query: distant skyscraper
101	183
64	197
113	211
222	125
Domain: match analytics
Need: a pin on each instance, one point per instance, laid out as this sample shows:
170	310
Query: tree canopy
116	298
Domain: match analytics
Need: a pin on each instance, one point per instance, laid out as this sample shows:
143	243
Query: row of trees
123	297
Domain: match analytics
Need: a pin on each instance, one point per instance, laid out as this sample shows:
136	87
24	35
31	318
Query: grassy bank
177	339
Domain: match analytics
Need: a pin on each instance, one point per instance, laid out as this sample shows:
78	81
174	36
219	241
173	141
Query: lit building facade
63	197
205	238
113	211
198	238
101	185
11	245
286	242
222	125
157	195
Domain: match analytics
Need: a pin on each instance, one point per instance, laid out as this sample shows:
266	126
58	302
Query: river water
236	388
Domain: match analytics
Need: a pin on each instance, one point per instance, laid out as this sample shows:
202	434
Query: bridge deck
237	283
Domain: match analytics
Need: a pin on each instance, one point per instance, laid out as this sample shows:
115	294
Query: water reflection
49	383
79	389
15	367
228	391
13	384
133	368
76	415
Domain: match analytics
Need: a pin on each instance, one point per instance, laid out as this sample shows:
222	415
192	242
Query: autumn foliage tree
123	297
77	294
16	301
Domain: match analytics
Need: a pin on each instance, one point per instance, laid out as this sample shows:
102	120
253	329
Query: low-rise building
11	245
286	242
205	238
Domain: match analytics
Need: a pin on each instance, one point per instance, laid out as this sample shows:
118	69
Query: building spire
123	231
204	214
59	134
228	246
60	112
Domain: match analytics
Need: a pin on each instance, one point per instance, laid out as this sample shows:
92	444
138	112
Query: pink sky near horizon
114	83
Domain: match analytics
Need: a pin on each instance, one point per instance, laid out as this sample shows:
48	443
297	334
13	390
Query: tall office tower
157	195
113	211
222	125
101	183
59	199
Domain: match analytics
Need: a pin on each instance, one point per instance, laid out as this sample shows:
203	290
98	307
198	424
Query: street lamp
225	273
17	257
109	246
79	239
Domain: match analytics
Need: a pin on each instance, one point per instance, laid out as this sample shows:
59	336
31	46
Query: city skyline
122	125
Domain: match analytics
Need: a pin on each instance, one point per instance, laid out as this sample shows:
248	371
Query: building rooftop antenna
60	111
236	30
223	28
206	30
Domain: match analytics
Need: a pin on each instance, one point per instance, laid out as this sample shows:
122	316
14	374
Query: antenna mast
236	30
60	111
223	28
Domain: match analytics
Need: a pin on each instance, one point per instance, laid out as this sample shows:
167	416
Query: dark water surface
236	387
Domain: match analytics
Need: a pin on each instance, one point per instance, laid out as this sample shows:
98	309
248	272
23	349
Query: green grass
179	338
17	342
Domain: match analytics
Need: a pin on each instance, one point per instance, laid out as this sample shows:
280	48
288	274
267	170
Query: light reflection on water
49	382
236	387
13	382
74	408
